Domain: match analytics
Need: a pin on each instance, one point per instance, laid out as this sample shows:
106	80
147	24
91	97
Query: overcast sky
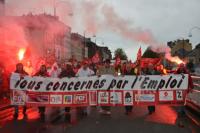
165	20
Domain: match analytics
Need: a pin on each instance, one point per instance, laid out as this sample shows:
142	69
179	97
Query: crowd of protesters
86	68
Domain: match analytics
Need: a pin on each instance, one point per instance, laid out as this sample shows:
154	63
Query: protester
85	71
151	71
20	70
181	112
182	70
42	73
67	71
106	69
129	71
55	71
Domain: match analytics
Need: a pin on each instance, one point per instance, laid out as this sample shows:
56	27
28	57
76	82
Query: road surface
163	120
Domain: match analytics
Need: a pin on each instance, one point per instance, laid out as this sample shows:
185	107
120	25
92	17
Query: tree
150	54
120	53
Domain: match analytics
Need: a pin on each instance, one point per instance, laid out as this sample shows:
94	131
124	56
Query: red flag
138	61
139	54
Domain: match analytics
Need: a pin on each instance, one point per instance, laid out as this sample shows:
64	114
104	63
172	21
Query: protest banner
105	90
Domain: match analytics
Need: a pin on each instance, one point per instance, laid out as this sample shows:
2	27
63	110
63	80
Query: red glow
164	114
176	60
21	54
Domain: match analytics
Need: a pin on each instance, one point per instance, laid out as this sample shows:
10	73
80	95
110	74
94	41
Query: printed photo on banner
80	98
166	96
55	99
103	97
19	98
93	98
38	98
179	95
67	99
128	97
116	97
145	97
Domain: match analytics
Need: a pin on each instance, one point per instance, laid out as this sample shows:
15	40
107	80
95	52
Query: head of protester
84	71
67	71
85	65
20	69
129	70
42	71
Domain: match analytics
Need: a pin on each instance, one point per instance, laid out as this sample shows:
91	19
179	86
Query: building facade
194	55
104	52
47	37
79	49
180	48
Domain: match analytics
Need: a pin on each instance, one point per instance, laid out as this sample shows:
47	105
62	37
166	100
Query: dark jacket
131	72
67	73
45	74
21	72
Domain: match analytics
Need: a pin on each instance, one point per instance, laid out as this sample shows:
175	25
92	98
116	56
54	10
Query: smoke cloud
92	16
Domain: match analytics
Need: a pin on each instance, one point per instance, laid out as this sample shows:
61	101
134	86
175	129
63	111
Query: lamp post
193	28
102	41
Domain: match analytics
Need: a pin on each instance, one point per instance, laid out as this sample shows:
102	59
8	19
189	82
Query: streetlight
102	41
58	2
190	32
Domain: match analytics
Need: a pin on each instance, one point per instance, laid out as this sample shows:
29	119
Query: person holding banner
181	112
42	73
109	70
152	71
20	70
85	71
67	71
129	71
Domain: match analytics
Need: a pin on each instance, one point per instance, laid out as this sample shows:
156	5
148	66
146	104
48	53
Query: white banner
105	82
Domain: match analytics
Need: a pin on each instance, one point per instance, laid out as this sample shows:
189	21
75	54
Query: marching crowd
85	69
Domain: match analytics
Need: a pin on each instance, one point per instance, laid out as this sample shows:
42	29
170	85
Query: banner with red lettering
106	90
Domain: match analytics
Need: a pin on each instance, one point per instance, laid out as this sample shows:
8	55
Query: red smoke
123	27
91	16
28	32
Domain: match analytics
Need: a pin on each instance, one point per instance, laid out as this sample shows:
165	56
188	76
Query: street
164	120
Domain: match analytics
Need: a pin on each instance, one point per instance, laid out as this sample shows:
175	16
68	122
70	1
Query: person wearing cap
20	70
85	71
108	70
